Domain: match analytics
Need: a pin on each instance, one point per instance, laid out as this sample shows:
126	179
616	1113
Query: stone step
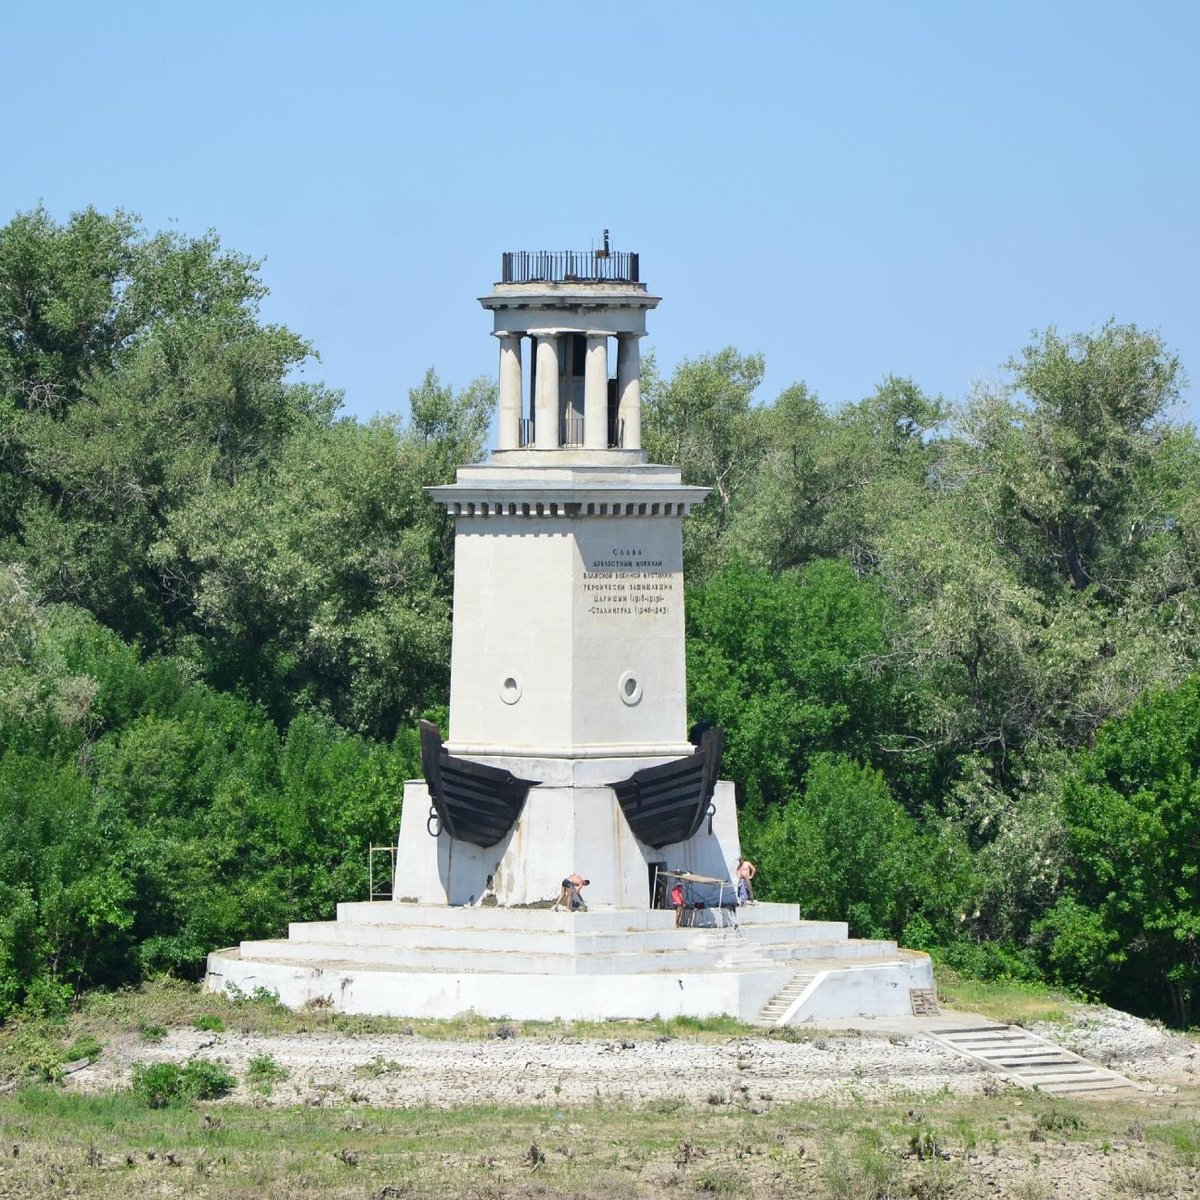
851	948
521	986
775	1008
542	941
455	959
1083	1086
407	950
595	920
772	941
1030	1061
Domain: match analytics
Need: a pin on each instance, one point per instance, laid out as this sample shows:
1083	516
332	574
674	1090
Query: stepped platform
758	963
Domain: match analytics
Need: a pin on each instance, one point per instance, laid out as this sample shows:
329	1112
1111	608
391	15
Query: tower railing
571	431
568	266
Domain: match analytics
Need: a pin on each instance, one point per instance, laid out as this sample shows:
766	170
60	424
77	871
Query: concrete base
535	964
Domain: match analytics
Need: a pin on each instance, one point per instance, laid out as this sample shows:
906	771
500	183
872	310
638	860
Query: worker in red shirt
677	902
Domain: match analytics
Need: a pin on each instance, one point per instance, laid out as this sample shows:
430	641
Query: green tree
1048	576
1128	923
134	373
831	483
844	849
146	819
1085	468
789	666
704	420
325	577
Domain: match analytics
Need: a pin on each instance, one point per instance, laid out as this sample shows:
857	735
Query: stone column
508	423
546	415
595	393
629	390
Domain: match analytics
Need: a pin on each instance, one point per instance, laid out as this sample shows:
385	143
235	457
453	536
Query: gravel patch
406	1071
1145	1051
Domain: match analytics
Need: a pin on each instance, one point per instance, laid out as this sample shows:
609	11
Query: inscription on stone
627	582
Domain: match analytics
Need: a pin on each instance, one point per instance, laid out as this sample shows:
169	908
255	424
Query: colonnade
547	401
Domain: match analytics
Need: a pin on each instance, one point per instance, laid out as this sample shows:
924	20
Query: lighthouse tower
567	670
568	748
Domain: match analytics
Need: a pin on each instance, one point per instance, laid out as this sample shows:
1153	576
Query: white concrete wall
512	620
627	584
867	991
585	617
520	997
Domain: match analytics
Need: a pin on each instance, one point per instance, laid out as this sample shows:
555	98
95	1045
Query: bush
1126	925
209	1023
163	1085
263	1072
207	1080
83	1047
847	850
156	1085
188	822
35	1054
990	961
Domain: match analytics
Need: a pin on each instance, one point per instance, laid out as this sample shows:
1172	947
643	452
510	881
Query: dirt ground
403	1071
851	1115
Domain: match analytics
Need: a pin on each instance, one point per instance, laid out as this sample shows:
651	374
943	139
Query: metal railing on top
568	266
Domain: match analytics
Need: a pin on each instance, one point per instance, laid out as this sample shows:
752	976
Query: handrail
569	266
378	892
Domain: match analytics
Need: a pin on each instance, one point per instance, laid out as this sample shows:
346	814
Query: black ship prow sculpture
669	803
474	803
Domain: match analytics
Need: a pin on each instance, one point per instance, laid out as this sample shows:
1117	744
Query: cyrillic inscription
628	583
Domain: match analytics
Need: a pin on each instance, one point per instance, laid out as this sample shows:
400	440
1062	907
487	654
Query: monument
568	748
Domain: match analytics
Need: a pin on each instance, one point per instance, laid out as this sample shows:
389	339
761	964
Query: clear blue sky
854	189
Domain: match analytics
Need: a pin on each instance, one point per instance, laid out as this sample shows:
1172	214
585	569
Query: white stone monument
568	747
568	659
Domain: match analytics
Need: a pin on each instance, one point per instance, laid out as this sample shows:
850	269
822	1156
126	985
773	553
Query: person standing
677	902
746	872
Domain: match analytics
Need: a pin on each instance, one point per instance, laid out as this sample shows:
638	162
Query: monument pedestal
419	960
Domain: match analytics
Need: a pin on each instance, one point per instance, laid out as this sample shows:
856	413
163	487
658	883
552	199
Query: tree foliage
155	819
954	647
1128	924
790	666
844	849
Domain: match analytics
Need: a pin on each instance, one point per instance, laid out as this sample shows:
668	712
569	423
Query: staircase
774	1009
441	960
1030	1061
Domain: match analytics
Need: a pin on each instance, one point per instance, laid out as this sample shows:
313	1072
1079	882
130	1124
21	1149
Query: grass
153	1009
1182	1138
113	1148
38	1049
1013	1002
263	1072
